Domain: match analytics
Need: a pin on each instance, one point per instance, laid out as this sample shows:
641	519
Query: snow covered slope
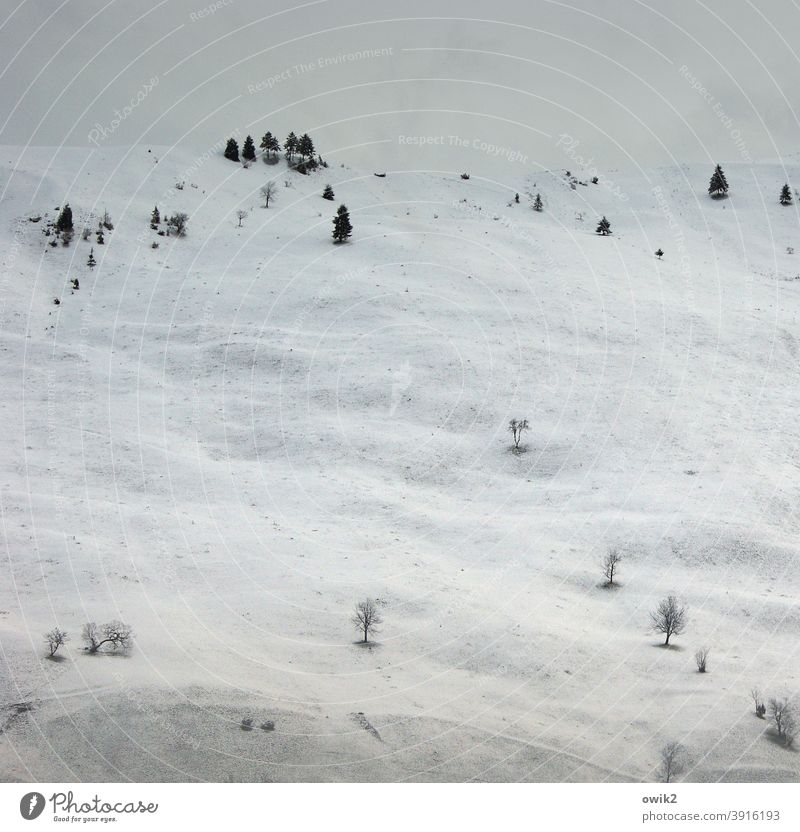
229	439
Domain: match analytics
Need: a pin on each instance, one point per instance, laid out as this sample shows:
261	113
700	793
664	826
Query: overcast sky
487	84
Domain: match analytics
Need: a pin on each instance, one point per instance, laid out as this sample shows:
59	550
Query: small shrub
701	659
55	638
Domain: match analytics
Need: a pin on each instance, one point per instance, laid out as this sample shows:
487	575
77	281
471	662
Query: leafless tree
115	633
701	658
516	427
55	638
178	223
269	192
611	564
240	215
669	618
782	716
673	761
758	703
366	617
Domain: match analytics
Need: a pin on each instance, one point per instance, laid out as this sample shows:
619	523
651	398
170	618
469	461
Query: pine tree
64	221
155	218
341	225
249	149
100	238
718	186
786	195
290	146
269	143
603	227
328	193
232	150
91	262
305	147
538	205
659	253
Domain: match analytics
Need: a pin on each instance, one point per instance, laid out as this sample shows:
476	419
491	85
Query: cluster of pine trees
298	151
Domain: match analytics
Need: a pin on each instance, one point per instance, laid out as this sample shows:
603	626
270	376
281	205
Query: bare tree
673	761
758	703
516	427
240	215
55	638
366	617
782	716
611	564
701	658
115	633
178	223
269	192
669	618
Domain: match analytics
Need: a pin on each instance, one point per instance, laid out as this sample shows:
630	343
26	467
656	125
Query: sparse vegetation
342	228
701	659
538	205
268	193
177	222
718	186
669	618
241	214
659	253
115	634
781	714
603	227
611	564
758	703
328	193
55	639
786	195
366	618
673	761
517	427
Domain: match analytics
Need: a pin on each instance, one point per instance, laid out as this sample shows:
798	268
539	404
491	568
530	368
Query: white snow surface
228	440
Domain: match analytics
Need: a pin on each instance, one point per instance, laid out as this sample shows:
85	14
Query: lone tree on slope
241	214
248	149
177	222
268	192
786	195
342	228
232	150
669	618
328	193
673	761
603	227
659	253
516	427
538	205
155	218
91	262
64	221
611	564
115	633
366	618
718	186
55	638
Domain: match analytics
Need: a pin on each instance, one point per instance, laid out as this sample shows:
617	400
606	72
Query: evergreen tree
100	238
290	146
155	218
537	203
659	253
718	186
269	143
64	221
328	193
516	198
305	147
603	227
341	225
91	262
249	149
786	195
232	150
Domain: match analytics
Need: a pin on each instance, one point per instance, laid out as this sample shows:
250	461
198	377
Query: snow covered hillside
230	439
